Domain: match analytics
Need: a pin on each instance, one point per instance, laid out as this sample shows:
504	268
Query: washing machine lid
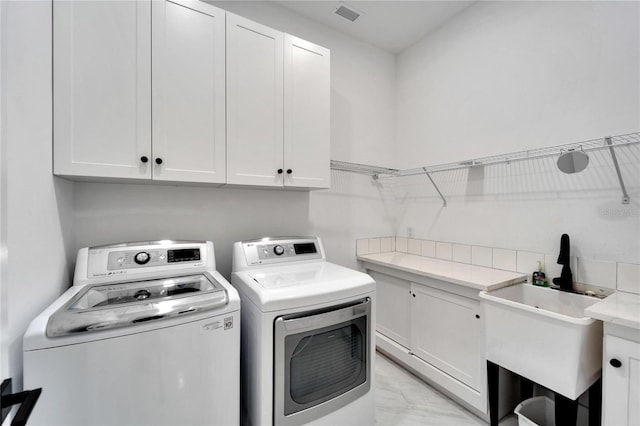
108	306
306	284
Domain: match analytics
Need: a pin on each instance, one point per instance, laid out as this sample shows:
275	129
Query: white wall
510	76
362	130
500	77
48	219
4	329
37	205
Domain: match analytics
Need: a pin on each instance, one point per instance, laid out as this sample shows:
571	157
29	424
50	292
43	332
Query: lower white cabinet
621	381
446	332
434	328
393	299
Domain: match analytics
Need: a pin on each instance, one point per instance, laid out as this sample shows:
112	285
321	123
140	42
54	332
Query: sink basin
542	334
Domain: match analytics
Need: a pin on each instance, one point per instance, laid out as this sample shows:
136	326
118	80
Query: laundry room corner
319	213
37	207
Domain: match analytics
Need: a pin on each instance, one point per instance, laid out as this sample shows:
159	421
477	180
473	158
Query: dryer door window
325	364
322	361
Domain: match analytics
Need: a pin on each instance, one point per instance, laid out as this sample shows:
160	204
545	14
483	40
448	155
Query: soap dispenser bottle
539	277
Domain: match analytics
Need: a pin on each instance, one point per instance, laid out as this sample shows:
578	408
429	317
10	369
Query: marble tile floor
402	399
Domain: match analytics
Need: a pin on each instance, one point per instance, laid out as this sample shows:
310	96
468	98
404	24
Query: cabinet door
306	114
254	103
393	298
188	91
621	385
102	88
446	332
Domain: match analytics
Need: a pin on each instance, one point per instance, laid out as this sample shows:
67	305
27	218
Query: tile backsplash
506	259
444	251
599	273
461	253
482	256
414	246
428	248
628	278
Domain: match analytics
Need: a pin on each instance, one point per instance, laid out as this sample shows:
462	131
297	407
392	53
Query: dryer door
322	361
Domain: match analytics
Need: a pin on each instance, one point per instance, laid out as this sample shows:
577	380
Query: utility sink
542	334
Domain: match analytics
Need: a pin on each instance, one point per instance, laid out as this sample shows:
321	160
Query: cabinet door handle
280	171
615	363
477	316
144	159
158	161
289	171
413	294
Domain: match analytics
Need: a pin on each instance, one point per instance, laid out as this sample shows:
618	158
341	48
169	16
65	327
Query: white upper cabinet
182	91
254	103
102	88
306	114
278	100
104	97
188	91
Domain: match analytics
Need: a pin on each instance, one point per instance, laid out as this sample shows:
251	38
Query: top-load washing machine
307	335
149	334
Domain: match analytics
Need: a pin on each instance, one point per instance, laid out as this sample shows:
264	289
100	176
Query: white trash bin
536	411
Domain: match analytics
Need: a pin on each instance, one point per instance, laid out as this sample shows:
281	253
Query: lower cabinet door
393	307
621	382
446	332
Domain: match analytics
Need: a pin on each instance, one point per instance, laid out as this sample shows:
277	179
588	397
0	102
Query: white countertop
620	308
477	277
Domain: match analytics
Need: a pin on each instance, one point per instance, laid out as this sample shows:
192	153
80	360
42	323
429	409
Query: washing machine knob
142	294
142	257
278	250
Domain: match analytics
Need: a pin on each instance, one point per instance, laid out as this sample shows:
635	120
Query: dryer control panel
276	250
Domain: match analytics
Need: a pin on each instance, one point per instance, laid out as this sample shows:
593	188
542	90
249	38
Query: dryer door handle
315	320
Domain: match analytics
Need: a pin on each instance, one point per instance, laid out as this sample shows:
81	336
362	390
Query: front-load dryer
149	334
307	335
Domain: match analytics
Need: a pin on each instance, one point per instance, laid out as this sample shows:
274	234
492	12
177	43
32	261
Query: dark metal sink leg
595	403
526	388
566	410
493	377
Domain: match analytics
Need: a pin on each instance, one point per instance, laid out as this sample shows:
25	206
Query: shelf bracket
444	201
625	195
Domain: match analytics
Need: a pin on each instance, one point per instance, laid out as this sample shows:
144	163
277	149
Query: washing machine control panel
116	260
272	251
145	258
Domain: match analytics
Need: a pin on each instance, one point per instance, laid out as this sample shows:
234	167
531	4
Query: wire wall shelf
589	145
362	169
606	143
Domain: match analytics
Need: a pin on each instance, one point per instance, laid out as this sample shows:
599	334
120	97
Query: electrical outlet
409	231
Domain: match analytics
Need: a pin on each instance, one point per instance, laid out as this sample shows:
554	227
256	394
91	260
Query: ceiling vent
347	12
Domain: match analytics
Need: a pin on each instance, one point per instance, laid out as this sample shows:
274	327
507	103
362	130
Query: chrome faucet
565	280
